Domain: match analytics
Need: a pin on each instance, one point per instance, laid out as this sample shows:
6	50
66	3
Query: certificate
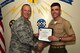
44	33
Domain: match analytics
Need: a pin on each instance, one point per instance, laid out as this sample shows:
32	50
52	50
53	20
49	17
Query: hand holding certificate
44	33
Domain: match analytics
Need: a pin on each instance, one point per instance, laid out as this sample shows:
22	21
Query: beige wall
41	9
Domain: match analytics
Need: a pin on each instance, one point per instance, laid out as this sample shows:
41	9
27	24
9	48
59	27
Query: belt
57	46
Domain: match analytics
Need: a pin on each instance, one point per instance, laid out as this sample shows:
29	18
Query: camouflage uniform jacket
22	36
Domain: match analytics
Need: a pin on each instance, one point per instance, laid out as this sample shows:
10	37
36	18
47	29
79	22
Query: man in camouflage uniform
62	31
22	33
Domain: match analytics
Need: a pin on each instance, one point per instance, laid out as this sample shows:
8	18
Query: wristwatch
60	39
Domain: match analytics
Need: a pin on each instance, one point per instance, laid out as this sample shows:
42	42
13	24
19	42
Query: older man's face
26	12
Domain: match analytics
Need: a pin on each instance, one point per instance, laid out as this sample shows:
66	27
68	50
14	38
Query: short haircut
25	5
55	4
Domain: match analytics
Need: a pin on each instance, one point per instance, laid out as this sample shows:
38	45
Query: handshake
40	45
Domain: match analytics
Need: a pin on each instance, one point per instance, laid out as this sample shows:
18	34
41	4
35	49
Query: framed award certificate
44	33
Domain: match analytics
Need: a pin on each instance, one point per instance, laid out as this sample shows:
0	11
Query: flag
2	42
68	1
6	2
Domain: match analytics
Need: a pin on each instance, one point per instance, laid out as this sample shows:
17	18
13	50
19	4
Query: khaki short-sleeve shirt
61	28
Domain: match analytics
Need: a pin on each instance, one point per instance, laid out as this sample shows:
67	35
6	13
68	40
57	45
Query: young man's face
55	11
26	12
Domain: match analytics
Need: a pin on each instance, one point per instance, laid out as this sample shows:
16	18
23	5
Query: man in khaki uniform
62	31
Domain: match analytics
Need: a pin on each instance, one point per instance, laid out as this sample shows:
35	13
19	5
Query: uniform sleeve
25	37
13	33
68	28
13	48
